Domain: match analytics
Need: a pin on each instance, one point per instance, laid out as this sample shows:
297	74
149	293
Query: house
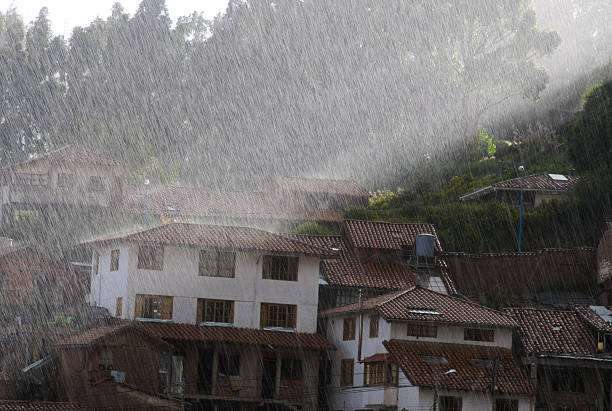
70	177
394	350
116	367
531	275
568	356
604	265
376	258
314	192
238	302
536	188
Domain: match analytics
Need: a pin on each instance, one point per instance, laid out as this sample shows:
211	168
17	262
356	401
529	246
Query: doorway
268	379
205	370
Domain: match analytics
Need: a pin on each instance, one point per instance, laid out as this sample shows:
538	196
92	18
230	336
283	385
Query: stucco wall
454	334
471	401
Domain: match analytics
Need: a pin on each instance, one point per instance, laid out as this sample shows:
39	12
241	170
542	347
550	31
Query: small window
215	311
217	264
65	180
392	374
374	326
164	362
278	315
374	373
119	307
96	263
151	257
158	307
27	179
280	268
114	260
291	369
96	184
346	372
450	403
567	381
478	334
419	330
107	358
229	365
506	404
348	329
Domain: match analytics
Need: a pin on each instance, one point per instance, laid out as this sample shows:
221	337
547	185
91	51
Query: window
291	369
114	261
478	334
374	326
229	365
106	359
374	373
505	404
215	311
567	381
96	184
450	403
346	372
151	257
96	263
65	180
392	375
119	307
280	268
217	264
418	330
348	329
278	315
157	307
27	179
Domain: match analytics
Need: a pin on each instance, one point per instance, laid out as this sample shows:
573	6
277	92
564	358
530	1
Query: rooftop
555	183
389	236
70	154
230	238
273	183
15	405
473	365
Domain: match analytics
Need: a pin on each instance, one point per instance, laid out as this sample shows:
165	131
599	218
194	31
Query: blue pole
146	201
521	212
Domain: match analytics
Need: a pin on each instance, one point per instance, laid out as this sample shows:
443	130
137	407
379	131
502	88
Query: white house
241	304
391	349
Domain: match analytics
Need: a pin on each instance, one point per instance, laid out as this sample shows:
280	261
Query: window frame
506	404
292	268
290	315
450	403
154	261
291	370
165	302
114	259
374	325
95	184
421	330
231	362
479	334
119	307
347	372
65	180
205	303
202	272
349	326
106	358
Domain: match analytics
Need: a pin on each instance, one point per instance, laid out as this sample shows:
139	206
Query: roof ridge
386	222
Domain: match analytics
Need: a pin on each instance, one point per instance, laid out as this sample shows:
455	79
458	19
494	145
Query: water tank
425	245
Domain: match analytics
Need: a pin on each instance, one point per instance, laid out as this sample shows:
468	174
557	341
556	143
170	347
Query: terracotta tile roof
553	332
70	154
520	273
95	335
380	357
420	304
218	237
470	376
591	318
16	405
188	332
275	183
366	305
533	182
389	236
197	202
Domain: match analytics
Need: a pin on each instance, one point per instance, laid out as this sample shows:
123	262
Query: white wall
454	334
108	285
179	279
471	401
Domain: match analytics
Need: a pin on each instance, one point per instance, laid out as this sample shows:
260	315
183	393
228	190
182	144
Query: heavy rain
382	205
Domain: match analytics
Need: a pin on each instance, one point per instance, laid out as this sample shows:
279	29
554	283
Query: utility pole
522	170
435	403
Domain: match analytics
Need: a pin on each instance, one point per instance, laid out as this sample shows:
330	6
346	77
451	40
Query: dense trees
339	87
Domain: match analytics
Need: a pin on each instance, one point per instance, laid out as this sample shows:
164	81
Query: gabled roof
96	335
591	317
219	237
16	405
70	154
421	305
275	183
388	236
559	332
473	365
366	305
554	183
189	332
197	202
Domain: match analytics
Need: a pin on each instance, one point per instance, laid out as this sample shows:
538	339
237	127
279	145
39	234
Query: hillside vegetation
585	144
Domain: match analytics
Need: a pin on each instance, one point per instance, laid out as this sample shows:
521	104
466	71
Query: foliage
486	143
499	298
312	228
